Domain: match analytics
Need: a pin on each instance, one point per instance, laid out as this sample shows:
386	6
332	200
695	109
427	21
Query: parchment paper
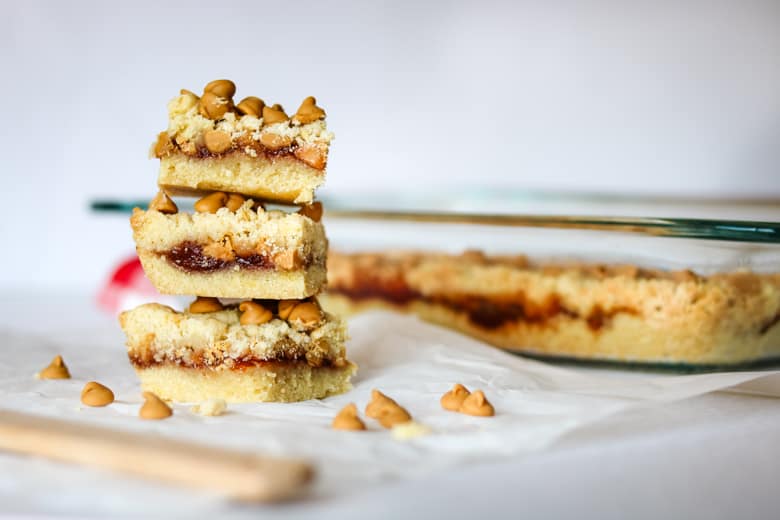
413	362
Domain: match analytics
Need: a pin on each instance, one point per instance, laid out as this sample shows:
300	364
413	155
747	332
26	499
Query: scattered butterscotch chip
453	399
385	410
313	211
217	141
308	112
477	404
154	408
251	106
221	87
234	202
95	394
203	304
253	313
210	407
163	203
392	416
56	370
211	202
409	430
274	114
347	419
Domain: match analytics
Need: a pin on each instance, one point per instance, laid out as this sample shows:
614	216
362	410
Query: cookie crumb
409	430
210	407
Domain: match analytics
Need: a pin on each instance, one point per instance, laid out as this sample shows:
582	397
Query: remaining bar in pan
585	311
193	356
214	144
241	253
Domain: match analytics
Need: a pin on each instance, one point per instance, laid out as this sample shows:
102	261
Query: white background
661	97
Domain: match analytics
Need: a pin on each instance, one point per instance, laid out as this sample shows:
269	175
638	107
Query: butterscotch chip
309	112
251	106
287	260
221	87
185	92
253	313
386	410
286	307
163	203
378	401
274	114
274	141
95	394
164	146
306	314
212	106
314	155
56	370
203	304
234	202
313	211
347	419
221	250
453	399
476	404
217	141
211	203
154	408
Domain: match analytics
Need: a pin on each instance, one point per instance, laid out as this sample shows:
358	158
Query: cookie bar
241	253
191	357
584	311
212	144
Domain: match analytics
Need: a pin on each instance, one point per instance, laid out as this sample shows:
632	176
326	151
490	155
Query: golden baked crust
187	356
243	254
274	382
279	179
587	311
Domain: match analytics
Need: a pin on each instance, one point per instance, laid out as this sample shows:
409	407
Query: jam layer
237	364
190	257
489	313
310	156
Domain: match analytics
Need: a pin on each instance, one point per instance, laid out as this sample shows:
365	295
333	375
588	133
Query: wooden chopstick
243	476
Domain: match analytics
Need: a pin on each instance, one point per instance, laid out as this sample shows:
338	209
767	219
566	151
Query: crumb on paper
210	407
409	430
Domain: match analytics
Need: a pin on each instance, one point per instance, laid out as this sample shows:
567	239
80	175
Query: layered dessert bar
215	144
252	351
231	250
584	311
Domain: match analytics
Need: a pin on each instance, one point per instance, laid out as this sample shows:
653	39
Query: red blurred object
128	287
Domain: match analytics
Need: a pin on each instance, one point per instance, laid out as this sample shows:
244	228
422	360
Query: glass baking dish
605	270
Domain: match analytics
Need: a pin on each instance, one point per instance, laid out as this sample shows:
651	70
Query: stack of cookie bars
255	331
